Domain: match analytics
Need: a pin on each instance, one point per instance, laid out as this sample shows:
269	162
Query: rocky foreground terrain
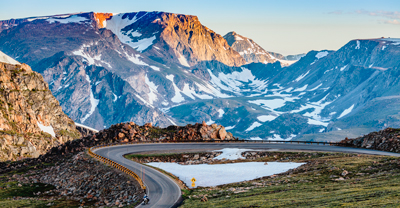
67	173
80	179
385	140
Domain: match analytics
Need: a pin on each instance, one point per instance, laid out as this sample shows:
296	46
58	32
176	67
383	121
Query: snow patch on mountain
315	88
142	44
301	76
347	111
234	81
183	60
93	102
229	127
207	88
238	37
47	129
153	90
316	122
6	59
301	89
177	97
343	68
144	101
117	23
155	68
220	113
321	54
265	118
135	59
279	138
190	92
210	122
70	19
358	44
253	126
269	104
91	60
315	114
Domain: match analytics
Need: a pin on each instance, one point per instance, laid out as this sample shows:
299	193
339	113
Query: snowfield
47	129
231	153
71	19
347	111
253	126
93	102
219	174
6	59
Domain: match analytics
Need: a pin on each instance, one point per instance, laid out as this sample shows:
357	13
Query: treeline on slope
384	140
124	132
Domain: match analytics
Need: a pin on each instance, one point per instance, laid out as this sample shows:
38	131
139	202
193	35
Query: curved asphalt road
164	192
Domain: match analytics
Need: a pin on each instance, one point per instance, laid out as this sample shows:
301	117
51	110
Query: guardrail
117	165
134	175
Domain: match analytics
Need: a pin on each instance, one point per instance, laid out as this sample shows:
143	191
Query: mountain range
169	69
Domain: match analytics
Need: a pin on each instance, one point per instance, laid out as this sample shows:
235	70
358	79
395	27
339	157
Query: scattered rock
384	140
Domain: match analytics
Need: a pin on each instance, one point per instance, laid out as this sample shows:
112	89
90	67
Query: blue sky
286	26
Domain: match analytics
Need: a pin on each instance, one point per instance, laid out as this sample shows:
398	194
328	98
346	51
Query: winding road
164	192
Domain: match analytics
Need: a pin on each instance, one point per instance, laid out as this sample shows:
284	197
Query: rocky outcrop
384	140
85	130
130	132
248	49
31	119
82	179
187	37
125	132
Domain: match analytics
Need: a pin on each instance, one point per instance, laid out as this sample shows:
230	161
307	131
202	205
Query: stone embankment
385	140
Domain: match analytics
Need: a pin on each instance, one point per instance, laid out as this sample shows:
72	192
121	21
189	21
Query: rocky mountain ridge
31	119
252	52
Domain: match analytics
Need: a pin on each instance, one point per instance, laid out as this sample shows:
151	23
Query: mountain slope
164	35
252	52
62	47
31	119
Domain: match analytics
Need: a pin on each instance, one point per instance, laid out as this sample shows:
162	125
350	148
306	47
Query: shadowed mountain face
168	68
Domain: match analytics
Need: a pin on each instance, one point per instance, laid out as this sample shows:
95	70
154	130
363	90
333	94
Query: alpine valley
169	69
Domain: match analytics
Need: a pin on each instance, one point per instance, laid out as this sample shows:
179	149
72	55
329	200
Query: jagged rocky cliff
252	52
31	119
